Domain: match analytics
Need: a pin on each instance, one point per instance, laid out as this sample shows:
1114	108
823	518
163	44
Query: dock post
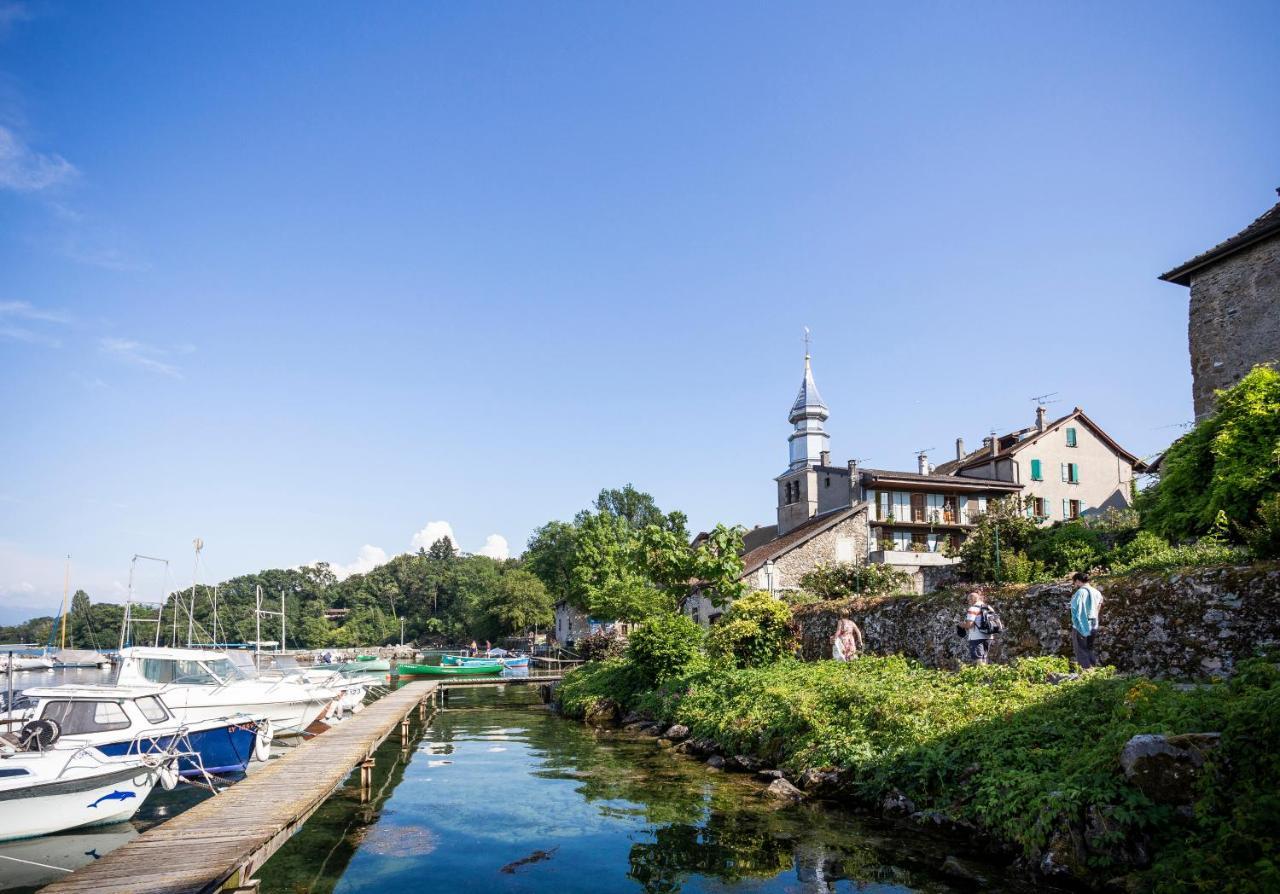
366	779
422	711
404	730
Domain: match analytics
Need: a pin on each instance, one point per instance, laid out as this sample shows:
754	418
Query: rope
34	863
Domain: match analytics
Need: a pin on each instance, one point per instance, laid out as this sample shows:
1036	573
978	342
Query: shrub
600	645
1264	537
1206	551
1016	533
756	631
1067	547
845	579
664	646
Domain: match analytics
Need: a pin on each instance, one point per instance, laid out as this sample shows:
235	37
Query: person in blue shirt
1086	608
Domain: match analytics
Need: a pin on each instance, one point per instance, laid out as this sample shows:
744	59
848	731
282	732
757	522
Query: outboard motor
39	735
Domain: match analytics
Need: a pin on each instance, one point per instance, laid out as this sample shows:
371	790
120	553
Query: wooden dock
470	682
221	842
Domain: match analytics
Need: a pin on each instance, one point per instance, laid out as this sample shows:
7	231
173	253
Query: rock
820	783
1103	837
677	732
653	728
897	804
744	763
605	712
1166	768
1055	679
633	717
701	747
781	790
769	775
938	821
665	743
1064	856
962	869
682	748
715	762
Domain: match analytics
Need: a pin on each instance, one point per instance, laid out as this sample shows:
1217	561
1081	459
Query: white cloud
370	557
141	355
22	169
25	311
431	533
495	547
11	311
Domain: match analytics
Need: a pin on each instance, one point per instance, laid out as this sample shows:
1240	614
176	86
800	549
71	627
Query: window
902	540
982	505
169	670
827	481
1071	473
935	542
950	515
1039	507
79	717
1071	437
152	709
9	772
884	505
1036	473
1073	508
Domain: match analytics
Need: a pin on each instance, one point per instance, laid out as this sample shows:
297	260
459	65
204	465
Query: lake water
501	795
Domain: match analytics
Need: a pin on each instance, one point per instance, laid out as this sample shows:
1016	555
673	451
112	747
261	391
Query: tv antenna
1046	399
925	450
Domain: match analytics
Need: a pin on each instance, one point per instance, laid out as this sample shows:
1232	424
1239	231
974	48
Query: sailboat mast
66	586
282	619
191	603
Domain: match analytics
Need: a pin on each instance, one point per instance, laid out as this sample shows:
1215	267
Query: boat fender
262	743
168	776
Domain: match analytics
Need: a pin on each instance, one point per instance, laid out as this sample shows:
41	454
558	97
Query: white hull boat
42	792
27	663
198	686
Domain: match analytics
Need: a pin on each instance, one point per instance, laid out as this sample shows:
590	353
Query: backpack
989	622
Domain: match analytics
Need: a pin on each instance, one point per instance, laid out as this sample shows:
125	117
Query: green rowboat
455	670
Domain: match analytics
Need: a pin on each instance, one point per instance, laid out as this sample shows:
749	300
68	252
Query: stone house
1233	323
1062	469
572	624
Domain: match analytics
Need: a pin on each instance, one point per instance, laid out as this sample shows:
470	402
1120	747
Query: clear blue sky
302	278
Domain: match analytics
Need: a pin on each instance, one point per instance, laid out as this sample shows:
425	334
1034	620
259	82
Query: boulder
633	717
1166	768
715	762
1104	836
957	868
744	763
605	712
781	790
897	804
820	783
665	743
769	775
677	732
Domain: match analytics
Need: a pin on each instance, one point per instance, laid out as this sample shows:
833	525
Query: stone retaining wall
1178	625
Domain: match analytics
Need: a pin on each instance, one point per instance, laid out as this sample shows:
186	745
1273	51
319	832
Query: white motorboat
199	685
350	691
47	791
26	662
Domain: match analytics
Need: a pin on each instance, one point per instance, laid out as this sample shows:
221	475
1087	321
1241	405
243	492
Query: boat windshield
209	672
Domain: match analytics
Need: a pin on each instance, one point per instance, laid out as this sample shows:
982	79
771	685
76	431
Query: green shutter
1035	470
1071	437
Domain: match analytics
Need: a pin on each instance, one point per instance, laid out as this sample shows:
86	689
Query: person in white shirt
979	641
1086	611
847	642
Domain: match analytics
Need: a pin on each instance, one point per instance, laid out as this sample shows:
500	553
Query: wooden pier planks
469	682
225	839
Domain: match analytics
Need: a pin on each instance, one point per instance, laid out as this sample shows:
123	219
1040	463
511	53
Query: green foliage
552	554
756	631
1068	547
844	579
1151	553
1264	538
1046	755
1228	463
599	646
665	646
1005	523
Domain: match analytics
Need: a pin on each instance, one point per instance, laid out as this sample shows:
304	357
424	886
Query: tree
552	554
519	603
638	510
1228	463
996	548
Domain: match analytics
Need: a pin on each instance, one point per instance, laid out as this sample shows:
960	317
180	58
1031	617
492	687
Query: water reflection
503	795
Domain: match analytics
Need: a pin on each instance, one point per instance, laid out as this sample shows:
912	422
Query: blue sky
306	280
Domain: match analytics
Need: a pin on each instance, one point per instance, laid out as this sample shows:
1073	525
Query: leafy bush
1206	551
1004	522
665	646
893	725
614	678
600	645
756	631
845	579
1068	547
1228	463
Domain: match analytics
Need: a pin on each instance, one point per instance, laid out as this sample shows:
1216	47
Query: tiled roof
958	480
1015	441
1266	225
753	560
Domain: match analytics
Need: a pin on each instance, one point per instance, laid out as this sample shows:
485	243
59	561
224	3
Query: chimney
824	458
1040	419
990	445
959	448
922	460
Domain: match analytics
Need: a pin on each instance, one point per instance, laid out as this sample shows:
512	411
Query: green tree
1004	531
552	554
518	603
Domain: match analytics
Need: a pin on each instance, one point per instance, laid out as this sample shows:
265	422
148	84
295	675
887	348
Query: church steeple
809	440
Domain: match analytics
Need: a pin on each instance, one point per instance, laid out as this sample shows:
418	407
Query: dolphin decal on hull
115	796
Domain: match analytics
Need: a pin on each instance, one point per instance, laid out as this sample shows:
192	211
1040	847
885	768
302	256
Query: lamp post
402	630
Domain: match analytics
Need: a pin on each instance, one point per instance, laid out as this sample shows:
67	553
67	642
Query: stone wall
823	549
1182	625
1233	324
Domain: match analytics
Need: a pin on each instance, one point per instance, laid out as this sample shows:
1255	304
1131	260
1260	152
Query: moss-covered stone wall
1182	625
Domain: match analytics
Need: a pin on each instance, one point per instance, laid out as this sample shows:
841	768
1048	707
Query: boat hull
110	797
221	749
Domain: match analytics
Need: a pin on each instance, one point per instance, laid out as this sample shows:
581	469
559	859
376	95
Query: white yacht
199	685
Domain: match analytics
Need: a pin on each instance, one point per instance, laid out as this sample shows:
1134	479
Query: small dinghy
46	789
449	670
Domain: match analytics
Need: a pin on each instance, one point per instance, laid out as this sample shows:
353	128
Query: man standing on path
1086	608
979	640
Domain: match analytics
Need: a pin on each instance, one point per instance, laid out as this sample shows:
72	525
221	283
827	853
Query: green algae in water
500	793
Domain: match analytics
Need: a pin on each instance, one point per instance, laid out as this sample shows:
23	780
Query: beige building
1064	469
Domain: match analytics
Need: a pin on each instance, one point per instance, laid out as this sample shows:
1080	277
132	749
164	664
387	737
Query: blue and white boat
131	721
